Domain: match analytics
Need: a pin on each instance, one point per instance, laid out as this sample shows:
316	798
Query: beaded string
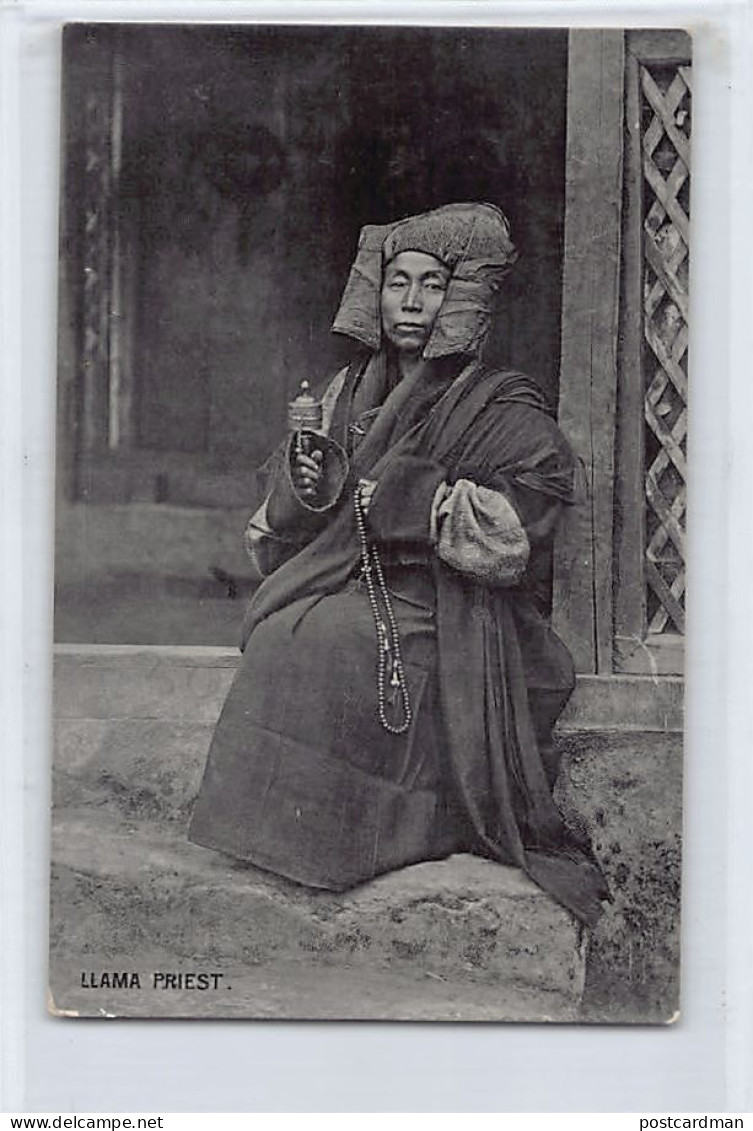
388	639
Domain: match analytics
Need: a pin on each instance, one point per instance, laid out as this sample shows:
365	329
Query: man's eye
436	286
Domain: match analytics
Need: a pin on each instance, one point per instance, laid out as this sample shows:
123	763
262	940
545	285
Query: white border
702	1063
739	618
12	905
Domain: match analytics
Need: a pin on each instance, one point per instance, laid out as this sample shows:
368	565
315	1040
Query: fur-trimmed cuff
480	533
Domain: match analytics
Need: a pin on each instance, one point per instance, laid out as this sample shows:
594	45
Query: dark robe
302	779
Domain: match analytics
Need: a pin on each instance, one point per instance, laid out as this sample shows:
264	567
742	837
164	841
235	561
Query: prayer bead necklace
387	636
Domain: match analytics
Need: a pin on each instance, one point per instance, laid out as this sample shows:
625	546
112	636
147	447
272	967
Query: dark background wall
251	158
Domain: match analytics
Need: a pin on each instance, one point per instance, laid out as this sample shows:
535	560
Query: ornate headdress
472	240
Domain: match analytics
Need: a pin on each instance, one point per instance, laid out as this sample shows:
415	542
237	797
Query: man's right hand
307	473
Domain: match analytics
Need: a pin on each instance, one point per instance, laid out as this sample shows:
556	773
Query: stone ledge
458	939
102	681
147	764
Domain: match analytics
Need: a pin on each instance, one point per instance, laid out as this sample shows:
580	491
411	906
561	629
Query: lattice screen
665	131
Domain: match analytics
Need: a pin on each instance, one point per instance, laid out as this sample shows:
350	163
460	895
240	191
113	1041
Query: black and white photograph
370	507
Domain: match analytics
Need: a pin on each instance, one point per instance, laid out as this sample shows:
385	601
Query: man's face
413	290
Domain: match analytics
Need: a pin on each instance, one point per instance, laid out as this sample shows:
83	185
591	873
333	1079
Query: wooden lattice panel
665	96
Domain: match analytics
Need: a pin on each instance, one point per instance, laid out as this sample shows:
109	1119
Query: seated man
399	682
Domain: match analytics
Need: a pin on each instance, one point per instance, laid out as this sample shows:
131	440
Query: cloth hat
472	240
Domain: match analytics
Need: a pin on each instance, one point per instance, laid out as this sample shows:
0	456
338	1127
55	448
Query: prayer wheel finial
304	411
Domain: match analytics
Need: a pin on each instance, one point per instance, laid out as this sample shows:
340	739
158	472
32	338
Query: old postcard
370	559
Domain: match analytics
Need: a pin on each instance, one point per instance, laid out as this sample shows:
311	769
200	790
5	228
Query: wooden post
582	598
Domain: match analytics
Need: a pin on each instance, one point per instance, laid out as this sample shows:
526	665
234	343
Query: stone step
179	684
189	684
458	939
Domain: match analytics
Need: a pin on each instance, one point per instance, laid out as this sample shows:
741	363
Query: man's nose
412	299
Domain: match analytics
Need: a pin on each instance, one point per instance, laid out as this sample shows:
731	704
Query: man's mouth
412	326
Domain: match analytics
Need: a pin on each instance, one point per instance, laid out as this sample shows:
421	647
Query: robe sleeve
285	521
475	529
266	547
